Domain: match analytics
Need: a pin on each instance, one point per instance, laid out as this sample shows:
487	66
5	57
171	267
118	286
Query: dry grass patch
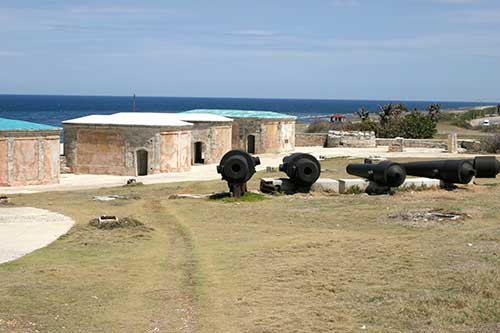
297	263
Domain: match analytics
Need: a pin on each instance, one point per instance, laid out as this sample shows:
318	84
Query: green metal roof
244	114
19	125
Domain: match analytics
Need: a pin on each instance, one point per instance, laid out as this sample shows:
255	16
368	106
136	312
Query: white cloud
10	53
477	16
345	3
119	10
254	33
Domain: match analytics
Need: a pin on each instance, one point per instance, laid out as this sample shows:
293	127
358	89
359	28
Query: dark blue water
52	110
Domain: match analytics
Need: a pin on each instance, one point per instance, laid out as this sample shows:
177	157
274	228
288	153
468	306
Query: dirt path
181	314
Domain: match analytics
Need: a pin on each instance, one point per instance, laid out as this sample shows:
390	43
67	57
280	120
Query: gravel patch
24	230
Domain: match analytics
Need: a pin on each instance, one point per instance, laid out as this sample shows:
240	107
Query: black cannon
237	167
449	171
382	176
302	169
486	166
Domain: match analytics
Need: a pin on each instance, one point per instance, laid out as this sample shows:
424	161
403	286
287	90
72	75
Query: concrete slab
346	184
421	182
24	230
327	185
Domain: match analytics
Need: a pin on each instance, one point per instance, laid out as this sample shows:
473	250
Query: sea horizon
53	109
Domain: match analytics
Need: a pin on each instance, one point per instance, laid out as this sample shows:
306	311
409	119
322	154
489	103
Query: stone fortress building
136	143
29	153
258	132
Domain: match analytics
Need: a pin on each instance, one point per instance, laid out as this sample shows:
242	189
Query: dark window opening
142	162
251	144
198	153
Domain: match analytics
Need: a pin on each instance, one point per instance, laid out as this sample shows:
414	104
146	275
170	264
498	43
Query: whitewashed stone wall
351	139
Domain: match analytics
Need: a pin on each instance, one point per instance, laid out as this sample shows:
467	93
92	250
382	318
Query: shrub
462	119
491	129
365	126
319	127
414	125
325	126
417	125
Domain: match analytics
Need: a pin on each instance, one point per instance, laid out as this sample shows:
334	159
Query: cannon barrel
449	171
302	169
486	166
385	173
237	167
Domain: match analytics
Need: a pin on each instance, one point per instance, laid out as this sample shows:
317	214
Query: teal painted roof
19	125
244	114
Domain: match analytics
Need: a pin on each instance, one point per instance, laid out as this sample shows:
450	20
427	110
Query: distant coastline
53	109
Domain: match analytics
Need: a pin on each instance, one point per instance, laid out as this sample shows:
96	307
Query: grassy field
303	263
445	128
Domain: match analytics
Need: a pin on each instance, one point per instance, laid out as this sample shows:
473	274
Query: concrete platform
420	182
24	230
285	185
326	185
347	184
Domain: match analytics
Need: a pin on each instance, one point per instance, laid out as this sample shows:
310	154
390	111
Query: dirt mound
428	217
111	222
5	200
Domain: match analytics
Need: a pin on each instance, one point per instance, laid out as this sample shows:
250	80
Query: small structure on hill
258	132
137	144
29	153
337	118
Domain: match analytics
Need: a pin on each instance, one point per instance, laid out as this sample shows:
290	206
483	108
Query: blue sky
333	49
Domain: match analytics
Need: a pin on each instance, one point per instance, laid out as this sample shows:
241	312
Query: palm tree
434	111
363	114
390	111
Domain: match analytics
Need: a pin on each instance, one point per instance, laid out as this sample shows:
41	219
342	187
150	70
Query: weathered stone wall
470	145
271	135
311	139
416	143
215	138
351	139
112	150
29	158
175	151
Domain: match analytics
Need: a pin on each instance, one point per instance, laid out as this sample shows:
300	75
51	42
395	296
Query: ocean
52	110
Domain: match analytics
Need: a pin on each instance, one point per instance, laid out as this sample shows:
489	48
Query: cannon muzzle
486	166
385	173
237	167
449	171
302	169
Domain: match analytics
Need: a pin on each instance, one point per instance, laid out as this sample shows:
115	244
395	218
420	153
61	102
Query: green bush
414	125
417	125
364	126
491	129
325	126
462	119
320	127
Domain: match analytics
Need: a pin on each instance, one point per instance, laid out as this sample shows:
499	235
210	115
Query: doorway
198	153
142	162
251	144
